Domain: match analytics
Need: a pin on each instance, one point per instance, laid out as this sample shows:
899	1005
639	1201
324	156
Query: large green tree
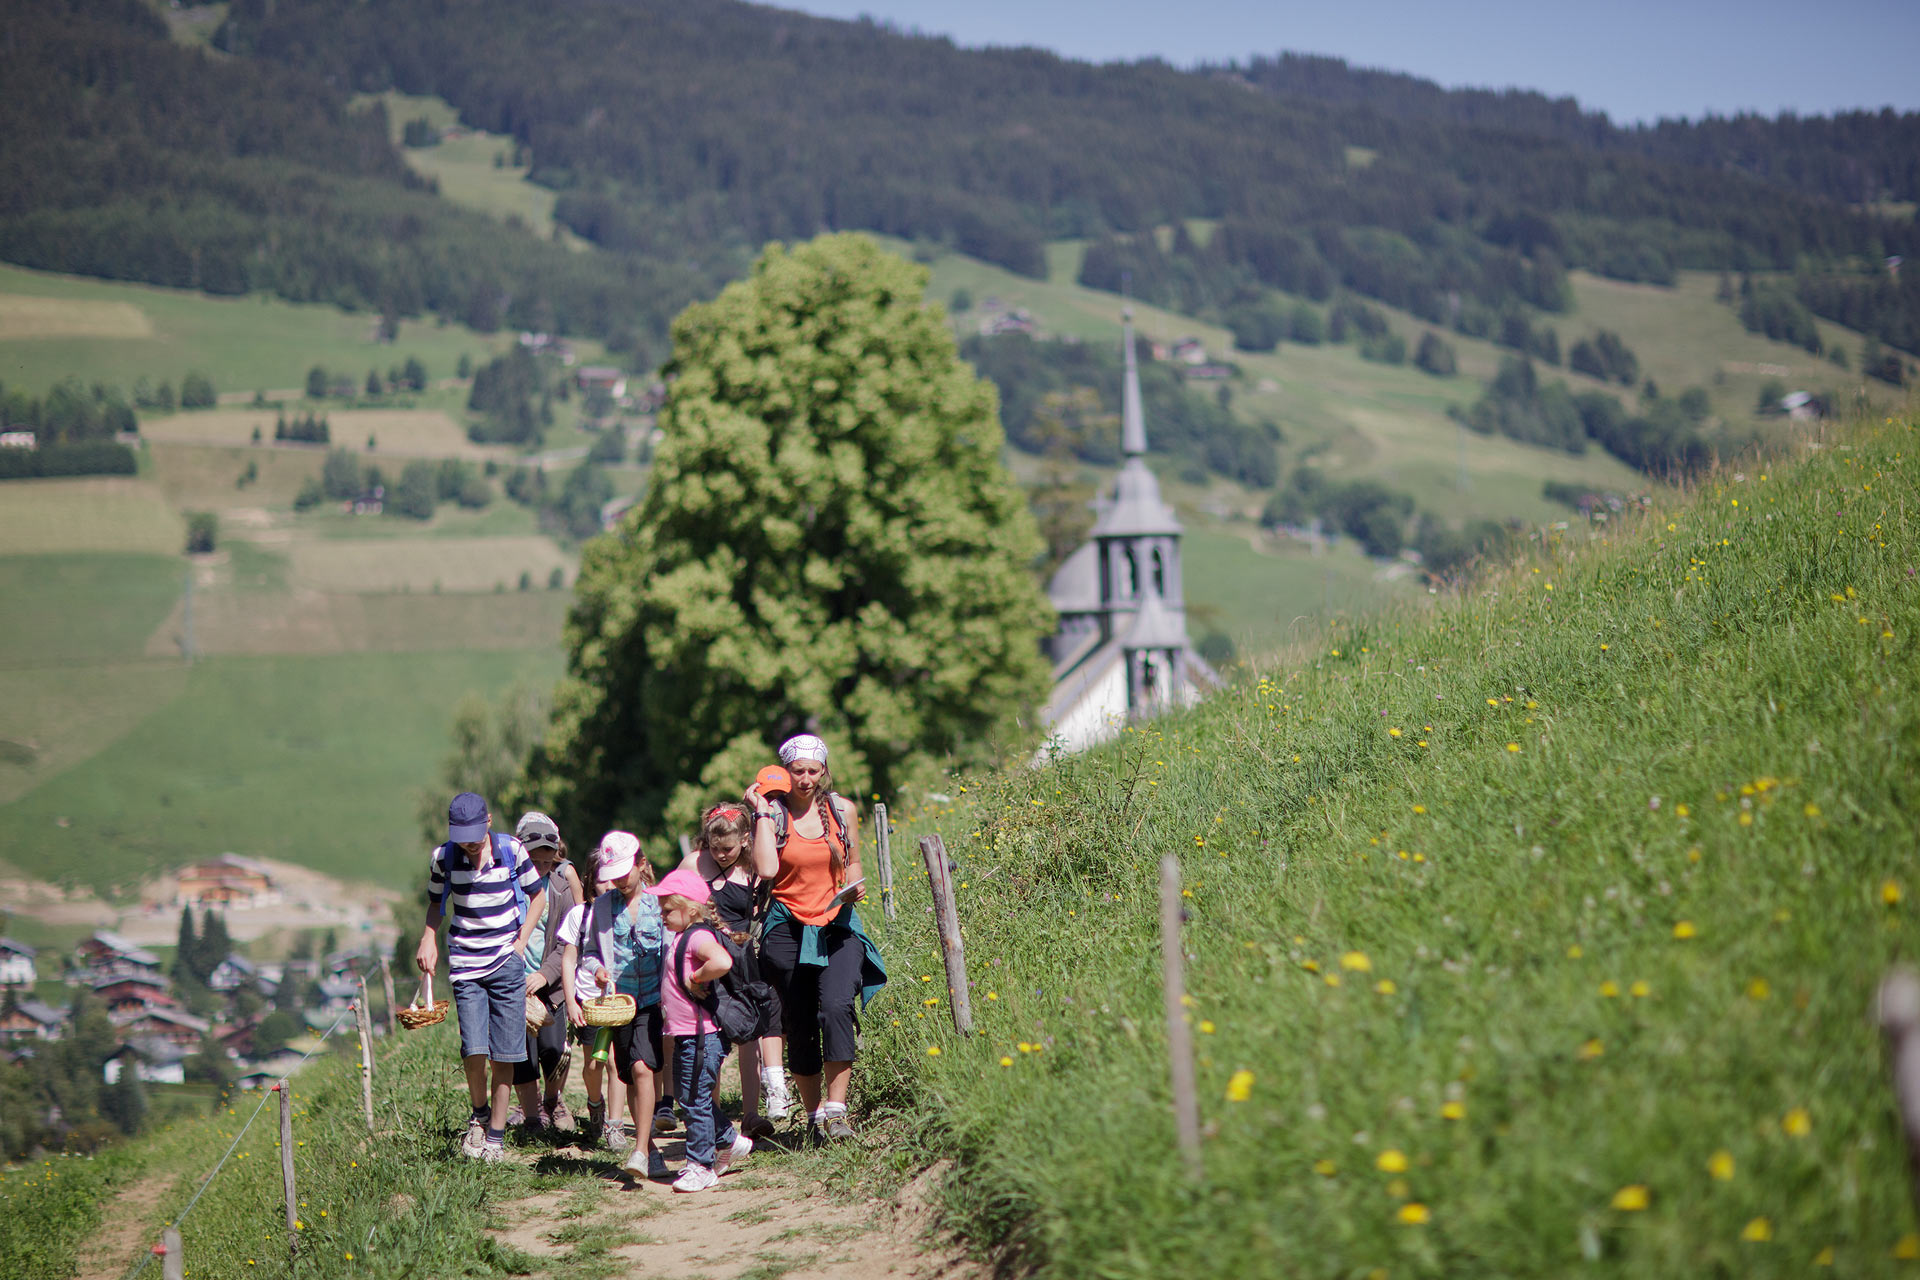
829	542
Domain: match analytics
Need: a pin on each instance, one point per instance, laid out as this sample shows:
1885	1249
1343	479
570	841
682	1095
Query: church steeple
1133	419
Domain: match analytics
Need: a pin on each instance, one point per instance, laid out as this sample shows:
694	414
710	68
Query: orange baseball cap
773	780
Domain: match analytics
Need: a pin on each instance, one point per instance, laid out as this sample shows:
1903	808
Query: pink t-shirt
679	1015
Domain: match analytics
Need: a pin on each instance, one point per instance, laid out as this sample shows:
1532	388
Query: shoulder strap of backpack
503	850
839	823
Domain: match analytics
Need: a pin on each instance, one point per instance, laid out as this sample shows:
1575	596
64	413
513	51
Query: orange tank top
805	882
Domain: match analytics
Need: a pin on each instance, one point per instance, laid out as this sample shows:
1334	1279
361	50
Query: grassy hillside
1536	933
54	327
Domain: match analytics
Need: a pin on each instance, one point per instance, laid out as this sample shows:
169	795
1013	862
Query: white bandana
803	746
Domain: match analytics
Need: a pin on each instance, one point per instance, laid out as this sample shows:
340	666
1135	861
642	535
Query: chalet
16	964
17	439
1122	652
125	993
1018	320
165	1024
336	993
605	377
154	1059
31	1020
107	953
228	880
235	972
1189	351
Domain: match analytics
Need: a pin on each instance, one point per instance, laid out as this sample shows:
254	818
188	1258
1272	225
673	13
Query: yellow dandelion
1811	809
1746	819
933	1051
1006	1061
1240	1085
1513	746
1759	989
1609	989
1720	1166
1311	966
1331	979
1393	733
1890	893
1640	990
1419	808
1631	1198
1681	810
1683	930
1824	1258
1797	1123
1324	1168
1453	1111
1385	986
1574	952
1590	1050
1206	1027
1357	962
1392	1160
1908	1248
1414	1214
1759	1231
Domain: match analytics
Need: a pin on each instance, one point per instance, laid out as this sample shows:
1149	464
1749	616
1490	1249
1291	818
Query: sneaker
735	1155
839	1129
696	1177
615	1139
657	1170
490	1153
757	1127
596	1120
635	1166
476	1137
663	1122
515	1116
557	1117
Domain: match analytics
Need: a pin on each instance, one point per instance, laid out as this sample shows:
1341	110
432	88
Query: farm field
54	327
423	433
95	513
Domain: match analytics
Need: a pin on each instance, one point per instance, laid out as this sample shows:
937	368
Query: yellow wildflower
1683	930
1240	1086
1453	1111
1720	1166
1759	1231
1356	961
1797	1123
1413	1213
1631	1198
1890	893
1392	1160
1590	1050
1385	986
1324	1168
1908	1248
1609	989
933	1051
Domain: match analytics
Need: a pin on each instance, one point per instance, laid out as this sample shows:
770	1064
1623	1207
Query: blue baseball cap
467	818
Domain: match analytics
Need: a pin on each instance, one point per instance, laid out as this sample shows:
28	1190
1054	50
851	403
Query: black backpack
743	1008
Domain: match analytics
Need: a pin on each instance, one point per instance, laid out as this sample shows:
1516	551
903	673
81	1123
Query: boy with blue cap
491	895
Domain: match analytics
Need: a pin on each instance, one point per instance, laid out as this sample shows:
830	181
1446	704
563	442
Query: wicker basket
609	1011
538	1015
417	1015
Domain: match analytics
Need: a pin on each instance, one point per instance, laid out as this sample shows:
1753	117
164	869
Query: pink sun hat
685	882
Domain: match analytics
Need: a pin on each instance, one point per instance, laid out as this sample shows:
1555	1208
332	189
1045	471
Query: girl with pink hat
697	959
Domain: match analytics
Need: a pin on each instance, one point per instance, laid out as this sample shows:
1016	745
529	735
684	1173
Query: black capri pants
820	1007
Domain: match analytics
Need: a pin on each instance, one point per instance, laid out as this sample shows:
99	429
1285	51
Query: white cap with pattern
803	746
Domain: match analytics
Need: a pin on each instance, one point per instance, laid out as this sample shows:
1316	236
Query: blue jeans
493	1012
694	1083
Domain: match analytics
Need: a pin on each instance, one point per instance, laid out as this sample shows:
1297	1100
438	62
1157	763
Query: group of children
526	945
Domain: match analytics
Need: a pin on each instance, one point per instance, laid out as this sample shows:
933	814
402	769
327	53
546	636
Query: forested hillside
133	158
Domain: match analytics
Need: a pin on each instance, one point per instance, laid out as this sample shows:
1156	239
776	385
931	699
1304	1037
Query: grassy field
102	513
313	759
425	433
80	609
1535	934
54	327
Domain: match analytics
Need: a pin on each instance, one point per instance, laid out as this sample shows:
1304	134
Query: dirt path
123	1233
766	1222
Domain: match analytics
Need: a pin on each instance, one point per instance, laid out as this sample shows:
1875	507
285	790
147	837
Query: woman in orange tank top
813	951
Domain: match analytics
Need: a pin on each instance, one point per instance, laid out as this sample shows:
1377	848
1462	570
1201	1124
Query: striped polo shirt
482	920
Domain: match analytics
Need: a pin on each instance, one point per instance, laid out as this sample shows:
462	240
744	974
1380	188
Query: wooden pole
1900	1020
365	1021
286	1169
173	1265
883	842
953	949
1186	1105
386	982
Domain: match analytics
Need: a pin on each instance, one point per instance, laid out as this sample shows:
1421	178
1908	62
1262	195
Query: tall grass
1578	886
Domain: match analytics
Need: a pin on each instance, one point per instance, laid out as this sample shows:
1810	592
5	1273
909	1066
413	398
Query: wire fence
265	1096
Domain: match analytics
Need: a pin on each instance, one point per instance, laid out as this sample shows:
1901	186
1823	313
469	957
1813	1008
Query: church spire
1133	420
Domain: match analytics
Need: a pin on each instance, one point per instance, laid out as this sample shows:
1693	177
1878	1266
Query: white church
1122	654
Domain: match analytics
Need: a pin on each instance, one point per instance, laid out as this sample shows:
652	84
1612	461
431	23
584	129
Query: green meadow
1532	934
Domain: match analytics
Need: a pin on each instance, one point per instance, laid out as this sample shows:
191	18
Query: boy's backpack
743	1008
503	847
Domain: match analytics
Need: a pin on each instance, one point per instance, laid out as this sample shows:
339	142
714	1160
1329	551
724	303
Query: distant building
16	964
228	880
31	1020
164	1024
612	381
107	953
1122	652
1189	351
235	972
17	440
155	1059
125	993
1208	372
1017	320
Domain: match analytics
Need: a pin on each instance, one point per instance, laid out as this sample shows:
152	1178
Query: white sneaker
636	1166
735	1155
491	1154
696	1178
475	1139
773	1090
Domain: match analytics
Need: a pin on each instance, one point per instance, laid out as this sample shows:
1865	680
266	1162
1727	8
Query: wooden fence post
1186	1105
386	982
1899	1003
953	949
286	1169
173	1266
364	1020
883	842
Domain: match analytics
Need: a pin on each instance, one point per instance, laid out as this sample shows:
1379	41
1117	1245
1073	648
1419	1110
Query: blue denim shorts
493	1012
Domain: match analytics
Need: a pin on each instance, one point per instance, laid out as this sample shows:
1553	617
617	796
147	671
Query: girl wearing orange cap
813	950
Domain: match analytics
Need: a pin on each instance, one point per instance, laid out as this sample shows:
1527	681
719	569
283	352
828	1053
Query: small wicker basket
538	1015
609	1011
417	1015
